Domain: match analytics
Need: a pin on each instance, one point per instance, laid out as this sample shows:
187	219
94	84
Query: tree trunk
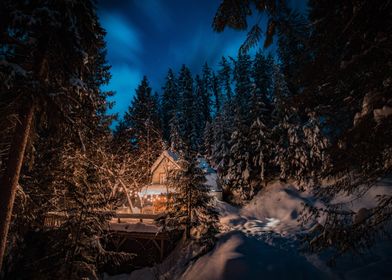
9	180
189	215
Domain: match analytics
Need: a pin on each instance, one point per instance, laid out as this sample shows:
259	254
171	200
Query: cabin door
162	178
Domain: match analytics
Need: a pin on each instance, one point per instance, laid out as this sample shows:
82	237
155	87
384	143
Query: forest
308	123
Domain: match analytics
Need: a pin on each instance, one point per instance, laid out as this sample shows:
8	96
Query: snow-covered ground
259	241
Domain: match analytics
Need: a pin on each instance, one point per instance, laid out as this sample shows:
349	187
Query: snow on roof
173	157
155	189
203	164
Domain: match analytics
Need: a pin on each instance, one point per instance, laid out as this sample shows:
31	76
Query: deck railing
55	219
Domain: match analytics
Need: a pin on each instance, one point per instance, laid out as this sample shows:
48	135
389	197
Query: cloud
124	82
123	39
156	12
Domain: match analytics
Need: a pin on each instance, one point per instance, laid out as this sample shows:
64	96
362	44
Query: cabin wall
163	168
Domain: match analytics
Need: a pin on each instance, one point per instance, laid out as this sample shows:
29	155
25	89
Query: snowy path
259	241
252	247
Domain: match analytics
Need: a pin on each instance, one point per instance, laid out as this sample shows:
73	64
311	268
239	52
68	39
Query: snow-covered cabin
162	168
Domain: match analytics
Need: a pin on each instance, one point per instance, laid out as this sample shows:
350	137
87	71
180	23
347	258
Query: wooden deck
124	226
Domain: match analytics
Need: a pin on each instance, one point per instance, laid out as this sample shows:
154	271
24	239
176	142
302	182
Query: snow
259	241
369	199
237	256
278	203
211	181
133	226
382	113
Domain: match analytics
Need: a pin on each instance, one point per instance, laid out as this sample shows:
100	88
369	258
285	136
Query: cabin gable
162	168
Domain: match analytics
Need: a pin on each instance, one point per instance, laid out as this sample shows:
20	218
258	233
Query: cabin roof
170	155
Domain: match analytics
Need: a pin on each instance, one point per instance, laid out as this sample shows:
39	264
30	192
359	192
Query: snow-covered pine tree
348	87
200	114
143	123
57	75
191	207
223	127
207	92
169	103
292	47
240	165
261	147
262	74
291	150
225	79
317	145
177	143
186	107
223	123
217	94
208	142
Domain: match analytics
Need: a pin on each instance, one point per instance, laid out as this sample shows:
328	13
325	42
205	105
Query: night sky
146	37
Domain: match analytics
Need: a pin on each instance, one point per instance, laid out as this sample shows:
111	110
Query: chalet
154	195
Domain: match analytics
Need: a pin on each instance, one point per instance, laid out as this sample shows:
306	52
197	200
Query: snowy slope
259	241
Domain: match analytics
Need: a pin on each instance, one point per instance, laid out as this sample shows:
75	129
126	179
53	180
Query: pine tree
169	105
187	109
292	48
143	124
199	119
224	76
176	137
191	208
347	90
262	73
261	145
46	81
240	165
206	92
223	128
217	93
208	142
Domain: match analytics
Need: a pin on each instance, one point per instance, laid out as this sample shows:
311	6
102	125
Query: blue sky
146	37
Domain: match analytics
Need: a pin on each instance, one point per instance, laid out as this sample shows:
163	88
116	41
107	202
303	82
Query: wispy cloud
124	82
155	11
122	38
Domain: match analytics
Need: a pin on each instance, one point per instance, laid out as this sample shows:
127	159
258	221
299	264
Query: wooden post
9	180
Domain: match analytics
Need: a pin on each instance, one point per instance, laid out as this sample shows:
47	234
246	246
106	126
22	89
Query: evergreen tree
261	145
292	48
347	90
217	93
224	76
186	116
223	128
52	68
240	165
191	208
243	89
208	142
206	92
176	137
262	73
143	122
169	105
